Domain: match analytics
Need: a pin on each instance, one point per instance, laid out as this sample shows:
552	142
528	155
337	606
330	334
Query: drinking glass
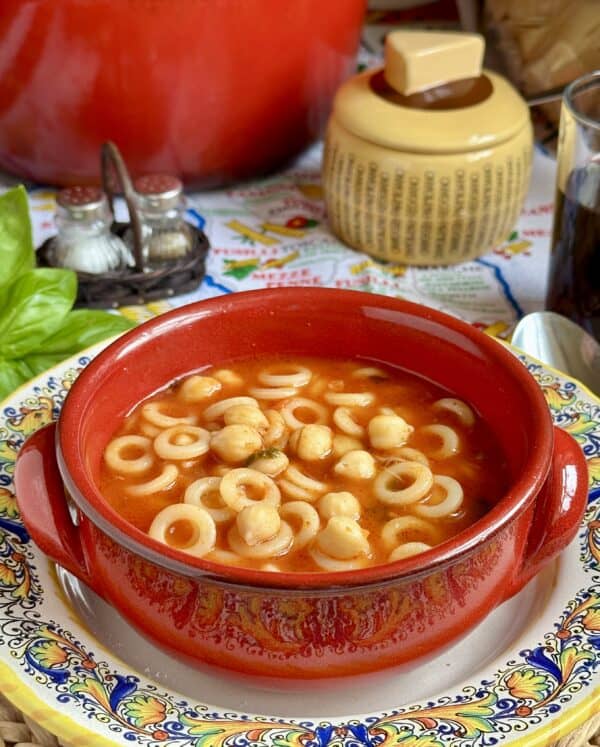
574	281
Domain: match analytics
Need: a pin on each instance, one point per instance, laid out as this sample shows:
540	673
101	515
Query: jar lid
158	191
397	108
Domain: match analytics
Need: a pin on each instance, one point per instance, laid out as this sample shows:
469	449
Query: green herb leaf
16	245
12	375
37	327
37	363
32	308
82	328
269	453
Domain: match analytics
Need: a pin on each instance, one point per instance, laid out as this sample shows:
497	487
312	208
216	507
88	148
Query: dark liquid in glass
574	285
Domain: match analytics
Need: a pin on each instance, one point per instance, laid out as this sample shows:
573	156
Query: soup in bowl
303	482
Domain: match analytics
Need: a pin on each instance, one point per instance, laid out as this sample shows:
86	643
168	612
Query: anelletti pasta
302	464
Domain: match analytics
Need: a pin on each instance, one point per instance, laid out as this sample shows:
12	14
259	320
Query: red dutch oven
211	90
304	625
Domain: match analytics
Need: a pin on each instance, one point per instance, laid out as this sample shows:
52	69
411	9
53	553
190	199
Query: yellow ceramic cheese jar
421	170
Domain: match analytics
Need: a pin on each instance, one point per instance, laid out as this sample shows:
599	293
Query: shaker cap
158	191
82	202
432	96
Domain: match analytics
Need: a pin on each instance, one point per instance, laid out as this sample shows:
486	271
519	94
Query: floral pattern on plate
530	690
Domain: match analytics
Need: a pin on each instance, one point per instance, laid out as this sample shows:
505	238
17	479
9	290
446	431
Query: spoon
545	97
560	343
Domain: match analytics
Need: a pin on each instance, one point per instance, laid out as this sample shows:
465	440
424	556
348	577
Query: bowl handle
43	503
558	509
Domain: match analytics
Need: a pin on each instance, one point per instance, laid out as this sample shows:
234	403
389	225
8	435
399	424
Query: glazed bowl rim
516	499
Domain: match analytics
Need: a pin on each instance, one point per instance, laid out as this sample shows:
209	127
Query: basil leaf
32	308
12	375
82	328
16	245
37	363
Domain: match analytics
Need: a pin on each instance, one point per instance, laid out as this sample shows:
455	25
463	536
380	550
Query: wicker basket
137	285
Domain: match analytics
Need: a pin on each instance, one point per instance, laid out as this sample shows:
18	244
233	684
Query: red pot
212	90
304	625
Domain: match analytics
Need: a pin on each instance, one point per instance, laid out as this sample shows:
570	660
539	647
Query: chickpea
228	377
246	415
343	539
388	431
342	444
339	504
235	443
196	388
357	465
258	523
269	461
312	441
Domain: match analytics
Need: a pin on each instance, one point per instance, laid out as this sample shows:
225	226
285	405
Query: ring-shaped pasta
450	504
205	532
402	454
234	495
450	442
273	392
166	446
394	530
342	417
317	386
164	481
310	522
224	557
349	399
300	377
333	564
217	409
196	493
151	412
147	429
276	435
457	407
422	482
407	550
293	474
370	372
408	454
274	547
113	455
287	412
295	491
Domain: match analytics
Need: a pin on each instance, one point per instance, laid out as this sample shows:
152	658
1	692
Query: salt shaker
84	241
166	236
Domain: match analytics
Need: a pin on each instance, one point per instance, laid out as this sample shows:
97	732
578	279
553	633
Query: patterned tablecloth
274	232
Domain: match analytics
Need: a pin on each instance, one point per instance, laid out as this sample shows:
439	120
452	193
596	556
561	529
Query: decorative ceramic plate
530	673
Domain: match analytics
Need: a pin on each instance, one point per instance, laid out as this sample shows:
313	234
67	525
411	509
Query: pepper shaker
166	237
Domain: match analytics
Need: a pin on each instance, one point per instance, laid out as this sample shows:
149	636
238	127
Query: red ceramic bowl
211	90
304	625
